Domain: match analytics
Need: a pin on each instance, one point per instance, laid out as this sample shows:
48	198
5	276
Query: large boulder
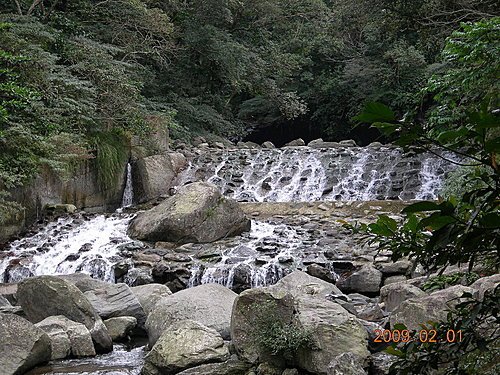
333	331
233	366
330	328
67	338
44	296
295	142
434	307
185	344
22	345
83	281
366	280
346	364
393	295
485	284
152	177
251	309
149	294
300	283
208	304
113	300
197	213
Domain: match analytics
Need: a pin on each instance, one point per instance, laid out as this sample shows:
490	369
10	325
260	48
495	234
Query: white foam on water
46	253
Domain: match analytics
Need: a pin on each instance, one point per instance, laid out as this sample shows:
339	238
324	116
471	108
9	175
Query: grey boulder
149	294
331	329
120	328
22	345
346	364
185	344
152	177
485	284
392	295
300	283
44	296
208	304
434	307
67	338
365	280
113	300
197	213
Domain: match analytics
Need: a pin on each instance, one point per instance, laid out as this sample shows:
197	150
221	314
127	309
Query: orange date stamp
422	336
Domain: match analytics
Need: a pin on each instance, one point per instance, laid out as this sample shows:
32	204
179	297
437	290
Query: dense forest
78	78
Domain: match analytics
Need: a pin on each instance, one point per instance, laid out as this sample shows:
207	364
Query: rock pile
301	324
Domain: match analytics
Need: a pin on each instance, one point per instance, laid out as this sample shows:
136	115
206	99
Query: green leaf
412	223
385	127
484	120
389	222
436	221
394	351
421	207
493	145
375	112
452	135
380	230
491	220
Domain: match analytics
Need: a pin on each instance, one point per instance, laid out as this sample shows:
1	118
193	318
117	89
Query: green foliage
110	156
8	209
469	78
458	230
477	353
274	335
462	180
444	281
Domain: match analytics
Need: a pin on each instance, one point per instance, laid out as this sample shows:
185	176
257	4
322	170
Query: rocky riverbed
213	286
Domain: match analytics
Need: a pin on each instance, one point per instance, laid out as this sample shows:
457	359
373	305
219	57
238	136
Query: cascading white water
128	192
250	261
431	185
68	245
307	174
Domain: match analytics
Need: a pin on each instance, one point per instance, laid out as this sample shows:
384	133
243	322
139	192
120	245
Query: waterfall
308	174
70	244
128	192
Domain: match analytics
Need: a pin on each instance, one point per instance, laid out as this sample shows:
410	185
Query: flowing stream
94	244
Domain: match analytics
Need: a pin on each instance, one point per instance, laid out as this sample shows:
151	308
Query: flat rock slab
113	300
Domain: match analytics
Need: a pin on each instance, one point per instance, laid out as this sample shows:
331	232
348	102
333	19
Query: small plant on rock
274	335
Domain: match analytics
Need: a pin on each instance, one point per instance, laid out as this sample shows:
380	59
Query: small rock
268	144
119	328
346	364
296	142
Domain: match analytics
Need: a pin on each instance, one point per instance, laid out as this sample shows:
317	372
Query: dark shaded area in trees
283	133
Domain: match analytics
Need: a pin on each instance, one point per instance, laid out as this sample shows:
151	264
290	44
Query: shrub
275	336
